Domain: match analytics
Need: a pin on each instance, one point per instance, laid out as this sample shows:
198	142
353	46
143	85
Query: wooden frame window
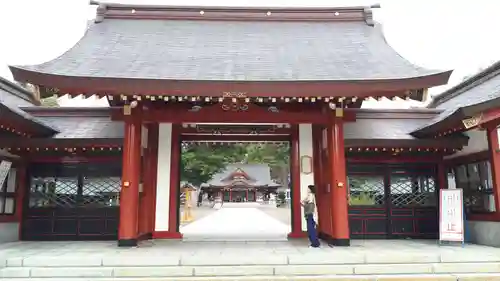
8	194
74	186
475	179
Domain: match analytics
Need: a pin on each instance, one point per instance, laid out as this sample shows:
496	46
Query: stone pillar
338	182
129	194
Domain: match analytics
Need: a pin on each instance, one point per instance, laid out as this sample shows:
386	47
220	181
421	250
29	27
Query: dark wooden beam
233	138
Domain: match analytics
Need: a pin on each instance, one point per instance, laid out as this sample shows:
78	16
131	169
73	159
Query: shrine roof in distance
137	50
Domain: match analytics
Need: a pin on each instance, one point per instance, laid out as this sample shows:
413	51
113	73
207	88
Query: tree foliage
200	161
277	156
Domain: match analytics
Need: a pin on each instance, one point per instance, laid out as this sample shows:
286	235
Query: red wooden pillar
316	137
21	188
230	195
338	184
144	196
494	150
148	200
175	162
325	180
129	194
153	150
295	175
442	175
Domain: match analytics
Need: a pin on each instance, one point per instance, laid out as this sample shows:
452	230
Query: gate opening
235	191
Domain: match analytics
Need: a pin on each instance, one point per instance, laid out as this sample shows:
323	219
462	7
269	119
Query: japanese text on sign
451	221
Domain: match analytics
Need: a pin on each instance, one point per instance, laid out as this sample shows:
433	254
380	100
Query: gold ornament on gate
234	101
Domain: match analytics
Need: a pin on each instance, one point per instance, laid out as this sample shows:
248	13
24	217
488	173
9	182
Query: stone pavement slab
384	260
241	223
301	278
167	253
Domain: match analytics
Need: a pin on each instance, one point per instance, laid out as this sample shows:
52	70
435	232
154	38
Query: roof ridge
475	80
16	90
168	12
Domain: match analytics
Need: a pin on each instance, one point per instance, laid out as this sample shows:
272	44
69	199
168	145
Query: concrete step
246	272
429	277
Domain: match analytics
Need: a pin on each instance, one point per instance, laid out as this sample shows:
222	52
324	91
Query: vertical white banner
451	215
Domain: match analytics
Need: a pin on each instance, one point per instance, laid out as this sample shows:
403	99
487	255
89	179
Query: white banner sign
451	215
4	171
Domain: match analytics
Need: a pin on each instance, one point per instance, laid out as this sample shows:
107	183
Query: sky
436	34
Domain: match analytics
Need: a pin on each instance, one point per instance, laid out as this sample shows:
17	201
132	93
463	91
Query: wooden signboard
451	215
4	171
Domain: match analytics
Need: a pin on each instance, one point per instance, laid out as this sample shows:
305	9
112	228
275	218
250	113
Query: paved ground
283	214
176	260
197	213
399	250
238	222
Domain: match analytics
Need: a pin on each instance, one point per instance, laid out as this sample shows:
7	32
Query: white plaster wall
163	177
305	149
478	142
9	232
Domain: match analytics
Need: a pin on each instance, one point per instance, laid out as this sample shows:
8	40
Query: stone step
420	277
119	271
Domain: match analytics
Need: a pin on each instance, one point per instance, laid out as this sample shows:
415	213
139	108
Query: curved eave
29	124
312	88
455	142
454	120
60	142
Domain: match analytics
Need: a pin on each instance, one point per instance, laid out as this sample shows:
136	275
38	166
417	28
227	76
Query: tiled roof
260	175
82	123
12	97
218	50
372	125
15	95
482	88
391	127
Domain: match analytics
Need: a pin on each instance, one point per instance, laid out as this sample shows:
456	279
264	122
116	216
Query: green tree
276	155
200	161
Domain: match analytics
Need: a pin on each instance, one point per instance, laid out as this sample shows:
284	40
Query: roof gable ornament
368	14
101	11
473	121
238	174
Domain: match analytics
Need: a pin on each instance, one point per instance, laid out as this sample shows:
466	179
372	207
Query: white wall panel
163	177
305	149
